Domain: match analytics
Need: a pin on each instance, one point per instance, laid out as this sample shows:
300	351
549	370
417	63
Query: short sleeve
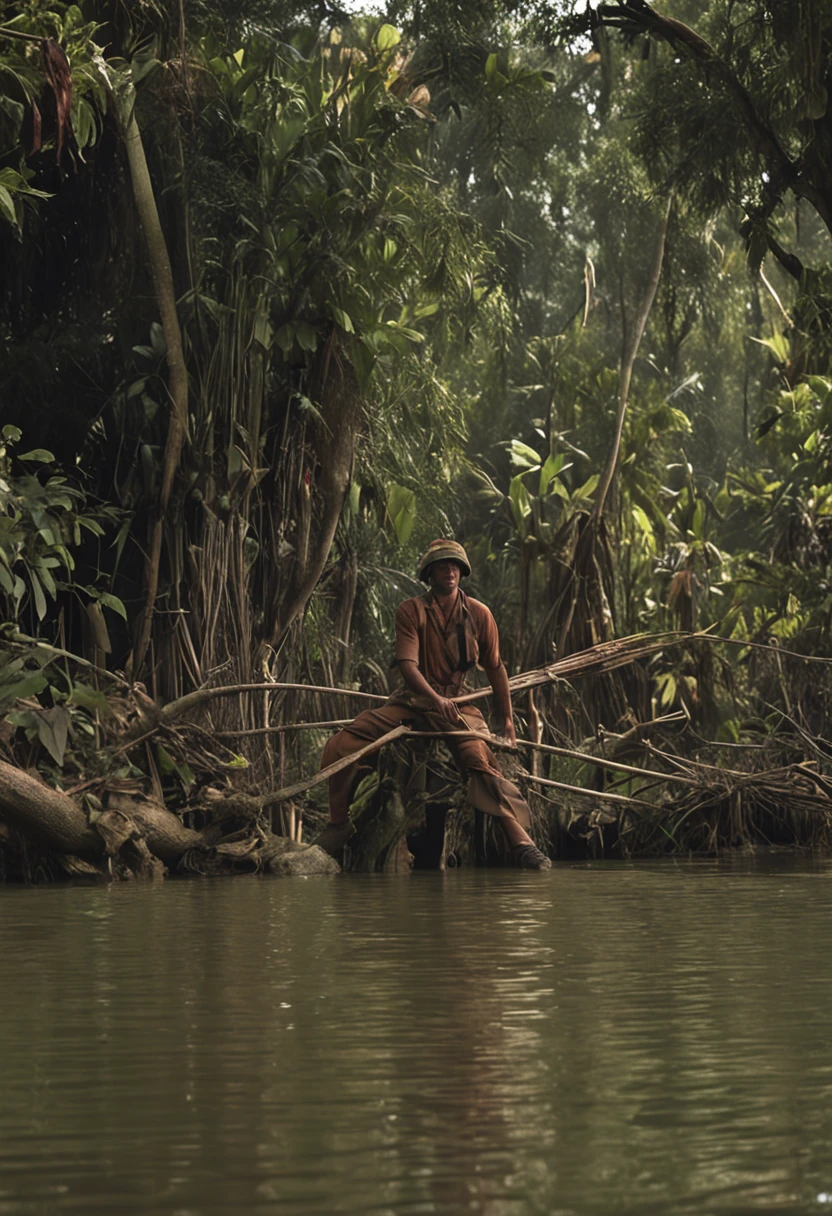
407	635
488	638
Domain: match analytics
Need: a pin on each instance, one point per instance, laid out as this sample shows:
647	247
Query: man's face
444	576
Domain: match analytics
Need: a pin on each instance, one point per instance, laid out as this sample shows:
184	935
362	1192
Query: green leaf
237	762
40	598
401	506
344	320
667	683
643	521
90	699
29	686
7	206
387	37
588	488
307	336
157	340
285	338
263	332
24	719
139	68
165	761
552	466
92	525
778	346
48	581
522	456
521	506
171	768
38	454
52	727
113	603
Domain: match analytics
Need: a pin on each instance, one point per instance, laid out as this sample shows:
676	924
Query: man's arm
417	683
498	679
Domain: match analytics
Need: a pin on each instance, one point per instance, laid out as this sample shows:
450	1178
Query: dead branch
291	791
596	795
169	713
280	730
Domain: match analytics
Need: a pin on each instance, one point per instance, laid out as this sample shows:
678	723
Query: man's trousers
488	789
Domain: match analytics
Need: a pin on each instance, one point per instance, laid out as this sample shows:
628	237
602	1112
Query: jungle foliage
289	291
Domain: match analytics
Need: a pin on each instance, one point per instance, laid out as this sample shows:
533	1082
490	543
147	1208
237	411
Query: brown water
607	1038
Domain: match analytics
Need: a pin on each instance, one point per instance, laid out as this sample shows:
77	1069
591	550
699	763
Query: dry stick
191	699
500	745
289	726
290	791
779	650
606	656
596	794
597	762
279	730
7	32
695	764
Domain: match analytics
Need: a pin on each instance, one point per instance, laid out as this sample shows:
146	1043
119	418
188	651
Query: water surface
606	1038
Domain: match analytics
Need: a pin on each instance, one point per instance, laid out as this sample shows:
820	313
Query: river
606	1038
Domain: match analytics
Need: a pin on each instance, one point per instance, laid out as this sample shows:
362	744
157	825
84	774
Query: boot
529	857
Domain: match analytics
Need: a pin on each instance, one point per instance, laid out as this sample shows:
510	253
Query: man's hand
508	732
448	710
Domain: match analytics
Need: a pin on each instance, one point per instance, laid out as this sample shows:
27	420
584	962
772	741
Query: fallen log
55	821
46	816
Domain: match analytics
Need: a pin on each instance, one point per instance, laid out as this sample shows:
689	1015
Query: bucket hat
443	551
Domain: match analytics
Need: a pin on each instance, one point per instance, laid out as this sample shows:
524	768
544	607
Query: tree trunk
333	384
628	358
178	377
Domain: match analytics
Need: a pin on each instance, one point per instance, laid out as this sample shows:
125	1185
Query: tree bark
46	816
628	358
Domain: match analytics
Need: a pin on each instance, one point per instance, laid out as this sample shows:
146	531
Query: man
440	636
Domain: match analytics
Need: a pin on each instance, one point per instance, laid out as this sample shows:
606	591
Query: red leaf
56	68
36	130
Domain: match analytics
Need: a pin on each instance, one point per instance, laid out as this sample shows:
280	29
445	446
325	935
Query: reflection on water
605	1038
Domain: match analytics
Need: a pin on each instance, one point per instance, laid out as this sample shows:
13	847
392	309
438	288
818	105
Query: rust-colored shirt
444	650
